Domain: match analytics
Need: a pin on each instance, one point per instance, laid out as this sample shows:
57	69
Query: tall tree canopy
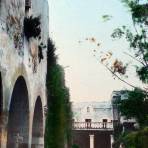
137	103
58	122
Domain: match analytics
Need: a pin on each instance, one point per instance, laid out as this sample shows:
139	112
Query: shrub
32	27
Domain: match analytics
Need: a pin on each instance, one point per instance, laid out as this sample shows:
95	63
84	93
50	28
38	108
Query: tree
138	41
137	103
58	122
135	106
138	38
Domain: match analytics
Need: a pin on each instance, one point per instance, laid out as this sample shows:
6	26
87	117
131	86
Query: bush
136	106
32	27
137	139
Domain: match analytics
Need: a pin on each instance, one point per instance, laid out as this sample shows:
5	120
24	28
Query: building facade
92	124
95	111
23	39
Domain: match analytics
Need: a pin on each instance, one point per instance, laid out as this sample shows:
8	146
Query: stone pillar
111	140
3	128
91	141
30	127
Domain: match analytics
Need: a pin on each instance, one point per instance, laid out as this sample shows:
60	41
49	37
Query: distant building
128	124
95	111
92	124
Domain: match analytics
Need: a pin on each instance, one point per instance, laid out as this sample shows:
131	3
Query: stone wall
19	58
96	111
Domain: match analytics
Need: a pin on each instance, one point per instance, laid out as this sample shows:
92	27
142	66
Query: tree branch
134	58
142	51
119	77
143	90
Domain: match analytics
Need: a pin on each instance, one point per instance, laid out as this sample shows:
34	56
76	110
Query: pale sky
72	21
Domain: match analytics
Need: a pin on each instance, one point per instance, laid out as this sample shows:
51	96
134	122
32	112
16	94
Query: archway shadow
18	120
37	127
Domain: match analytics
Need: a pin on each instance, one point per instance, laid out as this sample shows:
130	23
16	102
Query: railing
92	125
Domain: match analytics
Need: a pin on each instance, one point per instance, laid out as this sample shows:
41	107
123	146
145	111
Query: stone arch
20	71
37	126
18	119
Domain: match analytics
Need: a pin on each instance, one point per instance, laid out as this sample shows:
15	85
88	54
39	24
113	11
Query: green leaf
106	18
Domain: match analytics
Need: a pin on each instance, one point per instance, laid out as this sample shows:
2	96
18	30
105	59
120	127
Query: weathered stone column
111	140
3	129
91	141
30	127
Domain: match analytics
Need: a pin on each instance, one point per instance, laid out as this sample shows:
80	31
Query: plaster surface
17	60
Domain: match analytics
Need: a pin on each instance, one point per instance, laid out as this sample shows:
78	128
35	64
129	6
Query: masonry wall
96	111
19	57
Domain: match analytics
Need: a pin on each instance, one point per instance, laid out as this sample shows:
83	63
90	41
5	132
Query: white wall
13	59
98	111
17	60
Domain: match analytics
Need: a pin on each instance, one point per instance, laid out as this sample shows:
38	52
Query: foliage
117	130
137	139
118	67
40	51
58	110
32	27
135	106
142	72
58	122
75	146
138	36
106	17
51	57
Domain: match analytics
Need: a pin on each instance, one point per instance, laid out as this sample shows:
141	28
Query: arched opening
18	120
37	127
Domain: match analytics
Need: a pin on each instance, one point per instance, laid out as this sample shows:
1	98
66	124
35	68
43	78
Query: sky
70	23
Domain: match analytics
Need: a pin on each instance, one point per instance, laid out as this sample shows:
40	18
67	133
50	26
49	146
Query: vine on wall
32	31
32	27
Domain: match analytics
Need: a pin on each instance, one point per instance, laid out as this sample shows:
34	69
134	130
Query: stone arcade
22	75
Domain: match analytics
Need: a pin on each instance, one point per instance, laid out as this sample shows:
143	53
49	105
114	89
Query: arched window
27	5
